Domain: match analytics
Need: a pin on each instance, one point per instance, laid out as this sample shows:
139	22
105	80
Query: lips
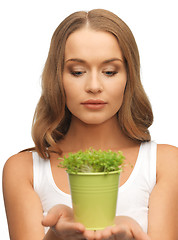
94	101
94	104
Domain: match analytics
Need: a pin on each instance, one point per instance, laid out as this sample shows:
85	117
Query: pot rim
95	173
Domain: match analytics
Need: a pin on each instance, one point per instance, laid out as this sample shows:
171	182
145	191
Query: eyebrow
82	61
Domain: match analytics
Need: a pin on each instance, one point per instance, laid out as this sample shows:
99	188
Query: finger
122	232
68	232
104	234
139	234
69	226
52	217
107	233
131	229
98	235
89	235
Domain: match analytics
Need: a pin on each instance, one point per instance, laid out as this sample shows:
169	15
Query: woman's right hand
60	219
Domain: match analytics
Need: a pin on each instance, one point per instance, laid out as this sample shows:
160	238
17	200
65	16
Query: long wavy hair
52	118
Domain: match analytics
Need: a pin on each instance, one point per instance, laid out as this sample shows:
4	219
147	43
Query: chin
94	121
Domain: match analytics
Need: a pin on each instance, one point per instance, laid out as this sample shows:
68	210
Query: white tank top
133	196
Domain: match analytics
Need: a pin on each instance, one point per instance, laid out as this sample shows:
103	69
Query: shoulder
167	153
167	160
167	149
19	166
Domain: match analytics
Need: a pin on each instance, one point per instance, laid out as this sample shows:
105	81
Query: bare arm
163	206
23	207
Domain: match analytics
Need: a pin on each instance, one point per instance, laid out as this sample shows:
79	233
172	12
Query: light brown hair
52	118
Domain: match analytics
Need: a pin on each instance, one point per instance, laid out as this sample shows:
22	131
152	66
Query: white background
26	28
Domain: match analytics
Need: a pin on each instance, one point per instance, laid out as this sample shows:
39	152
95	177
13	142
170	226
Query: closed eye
77	73
110	73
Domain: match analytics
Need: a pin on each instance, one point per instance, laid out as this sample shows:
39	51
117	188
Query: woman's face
94	76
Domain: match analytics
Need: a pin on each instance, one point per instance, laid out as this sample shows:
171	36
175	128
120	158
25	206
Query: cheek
71	86
72	95
68	88
69	96
118	92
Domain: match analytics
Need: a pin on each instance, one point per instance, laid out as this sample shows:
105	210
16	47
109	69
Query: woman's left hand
125	229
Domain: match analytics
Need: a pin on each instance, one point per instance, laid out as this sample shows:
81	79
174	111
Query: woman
92	97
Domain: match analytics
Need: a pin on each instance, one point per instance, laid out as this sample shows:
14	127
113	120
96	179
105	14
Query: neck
107	135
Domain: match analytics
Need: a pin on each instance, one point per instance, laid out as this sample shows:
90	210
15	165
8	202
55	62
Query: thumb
140	235
52	217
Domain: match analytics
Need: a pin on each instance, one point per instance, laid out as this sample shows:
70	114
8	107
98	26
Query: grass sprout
92	161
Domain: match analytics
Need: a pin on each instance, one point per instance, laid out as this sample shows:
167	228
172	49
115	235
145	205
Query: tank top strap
148	158
36	171
39	170
153	162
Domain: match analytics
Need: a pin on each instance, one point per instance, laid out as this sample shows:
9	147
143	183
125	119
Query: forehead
87	43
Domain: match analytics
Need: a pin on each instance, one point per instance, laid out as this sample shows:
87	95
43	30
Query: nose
94	84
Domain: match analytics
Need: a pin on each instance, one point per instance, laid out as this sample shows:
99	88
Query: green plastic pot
94	198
